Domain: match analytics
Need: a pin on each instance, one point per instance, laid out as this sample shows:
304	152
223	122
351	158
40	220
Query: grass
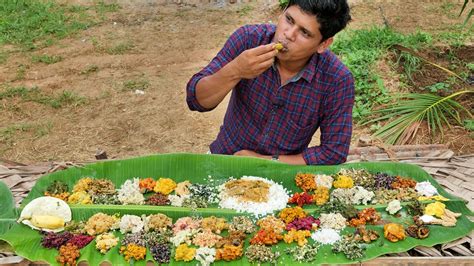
136	84
360	50
38	129
65	98
47	59
119	48
33	24
3	57
21	72
89	69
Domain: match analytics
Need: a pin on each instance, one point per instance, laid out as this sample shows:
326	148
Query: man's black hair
332	15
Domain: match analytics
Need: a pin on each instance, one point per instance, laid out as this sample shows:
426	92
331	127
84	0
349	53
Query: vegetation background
82	75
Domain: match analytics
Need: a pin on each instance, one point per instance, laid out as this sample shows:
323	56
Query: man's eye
305	33
289	19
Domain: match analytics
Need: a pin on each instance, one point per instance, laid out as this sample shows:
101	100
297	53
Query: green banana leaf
8	212
197	168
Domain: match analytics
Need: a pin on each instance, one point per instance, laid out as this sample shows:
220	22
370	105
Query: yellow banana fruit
47	221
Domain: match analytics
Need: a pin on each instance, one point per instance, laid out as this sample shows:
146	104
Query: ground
156	48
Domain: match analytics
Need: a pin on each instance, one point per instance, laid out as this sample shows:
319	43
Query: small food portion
279	46
46	213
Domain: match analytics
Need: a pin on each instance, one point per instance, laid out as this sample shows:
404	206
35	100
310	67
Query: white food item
393	207
277	199
50	206
323	181
326	236
131	223
332	220
177	201
205	255
427	218
129	193
426	189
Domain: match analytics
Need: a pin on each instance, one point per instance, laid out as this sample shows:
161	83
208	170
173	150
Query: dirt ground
164	45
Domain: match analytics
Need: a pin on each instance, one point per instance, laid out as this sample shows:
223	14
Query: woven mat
454	173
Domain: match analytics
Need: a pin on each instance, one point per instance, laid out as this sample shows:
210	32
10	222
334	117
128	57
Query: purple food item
161	253
55	240
305	223
80	240
383	180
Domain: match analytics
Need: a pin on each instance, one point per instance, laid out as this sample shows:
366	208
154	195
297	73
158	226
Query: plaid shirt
272	118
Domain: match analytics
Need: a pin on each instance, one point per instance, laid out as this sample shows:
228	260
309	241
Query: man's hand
249	153
255	61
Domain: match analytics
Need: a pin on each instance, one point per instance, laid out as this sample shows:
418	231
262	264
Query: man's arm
289	159
211	90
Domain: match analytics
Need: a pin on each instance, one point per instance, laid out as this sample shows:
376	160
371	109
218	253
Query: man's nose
290	33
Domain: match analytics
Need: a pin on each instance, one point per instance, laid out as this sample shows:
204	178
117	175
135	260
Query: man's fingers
263	49
268	55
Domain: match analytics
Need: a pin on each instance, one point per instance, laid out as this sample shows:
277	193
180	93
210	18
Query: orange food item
266	237
147	184
403	183
68	254
305	181
229	252
394	232
288	215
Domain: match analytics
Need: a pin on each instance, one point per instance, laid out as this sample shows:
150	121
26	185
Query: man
280	98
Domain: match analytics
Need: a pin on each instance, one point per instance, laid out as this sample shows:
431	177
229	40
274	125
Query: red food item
301	198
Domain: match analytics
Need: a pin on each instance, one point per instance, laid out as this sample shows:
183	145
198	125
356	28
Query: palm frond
410	110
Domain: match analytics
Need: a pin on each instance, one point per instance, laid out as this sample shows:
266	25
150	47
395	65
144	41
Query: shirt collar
307	72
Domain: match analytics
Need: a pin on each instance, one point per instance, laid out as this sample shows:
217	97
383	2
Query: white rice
326	236
277	199
426	189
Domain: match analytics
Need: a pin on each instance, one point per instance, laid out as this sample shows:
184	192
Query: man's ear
324	45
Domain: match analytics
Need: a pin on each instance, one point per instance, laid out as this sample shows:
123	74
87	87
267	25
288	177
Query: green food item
352	249
57	187
306	253
261	254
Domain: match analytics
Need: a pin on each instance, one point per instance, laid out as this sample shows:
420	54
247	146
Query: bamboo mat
454	173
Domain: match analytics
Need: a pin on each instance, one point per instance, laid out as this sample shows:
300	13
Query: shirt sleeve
235	45
336	126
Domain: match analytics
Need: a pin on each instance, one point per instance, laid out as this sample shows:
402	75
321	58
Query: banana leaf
197	169
8	212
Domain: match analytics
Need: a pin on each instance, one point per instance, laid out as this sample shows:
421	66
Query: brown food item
365	235
68	254
419	232
403	183
235	238
394	232
248	190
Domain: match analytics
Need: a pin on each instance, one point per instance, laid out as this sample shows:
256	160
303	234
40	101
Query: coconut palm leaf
409	111
195	168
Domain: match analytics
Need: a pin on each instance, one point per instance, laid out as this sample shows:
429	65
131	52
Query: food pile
349	211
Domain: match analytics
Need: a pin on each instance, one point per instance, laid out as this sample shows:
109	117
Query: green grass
89	69
33	24
47	59
360	50
8	133
65	98
119	48
3	57
21	72
136	84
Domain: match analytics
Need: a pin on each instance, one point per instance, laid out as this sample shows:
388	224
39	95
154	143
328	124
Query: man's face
299	33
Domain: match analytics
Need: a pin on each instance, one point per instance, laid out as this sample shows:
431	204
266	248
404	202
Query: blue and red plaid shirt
268	117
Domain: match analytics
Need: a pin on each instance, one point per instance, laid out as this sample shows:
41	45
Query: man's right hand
253	62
